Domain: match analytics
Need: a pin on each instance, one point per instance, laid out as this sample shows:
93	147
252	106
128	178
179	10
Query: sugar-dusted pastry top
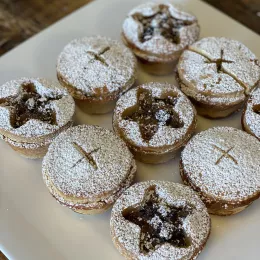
252	113
219	69
141	216
160	28
154	115
97	66
87	162
34	107
223	162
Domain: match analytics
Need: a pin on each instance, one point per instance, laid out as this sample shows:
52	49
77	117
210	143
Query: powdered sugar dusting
97	65
64	108
158	45
165	136
252	113
223	162
228	82
196	225
200	79
74	175
244	66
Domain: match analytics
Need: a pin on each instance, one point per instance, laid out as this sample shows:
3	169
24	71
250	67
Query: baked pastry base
96	106
93	211
215	111
152	158
157	68
31	153
155	157
29	150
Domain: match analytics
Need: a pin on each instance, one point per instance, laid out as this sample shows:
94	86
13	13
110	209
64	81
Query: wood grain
20	19
2	257
246	12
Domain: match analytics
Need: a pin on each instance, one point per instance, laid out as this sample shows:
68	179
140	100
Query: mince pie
157	33
96	71
155	120
32	113
87	168
159	220
217	74
222	165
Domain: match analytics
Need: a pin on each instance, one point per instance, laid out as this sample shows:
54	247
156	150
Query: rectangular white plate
32	224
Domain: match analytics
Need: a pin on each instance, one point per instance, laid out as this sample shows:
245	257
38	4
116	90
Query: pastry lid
220	69
87	163
97	66
223	162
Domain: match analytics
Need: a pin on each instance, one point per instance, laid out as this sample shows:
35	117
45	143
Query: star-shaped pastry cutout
29	104
161	23
160	223
150	113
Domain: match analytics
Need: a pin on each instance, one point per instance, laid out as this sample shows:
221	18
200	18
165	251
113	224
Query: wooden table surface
20	19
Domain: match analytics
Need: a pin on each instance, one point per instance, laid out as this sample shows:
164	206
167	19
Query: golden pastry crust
154	120
157	34
33	112
251	114
129	236
33	150
96	70
87	168
217	74
222	165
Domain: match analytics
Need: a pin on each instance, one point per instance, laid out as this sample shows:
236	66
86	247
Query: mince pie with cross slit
251	114
158	33
218	74
96	70
154	120
87	168
32	113
159	220
222	165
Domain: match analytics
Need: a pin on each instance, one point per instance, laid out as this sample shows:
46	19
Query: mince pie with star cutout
32	113
218	74
159	220
96	70
251	114
155	120
158	33
222	165
87	168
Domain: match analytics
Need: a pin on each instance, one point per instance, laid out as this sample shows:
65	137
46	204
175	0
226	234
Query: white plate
32	224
